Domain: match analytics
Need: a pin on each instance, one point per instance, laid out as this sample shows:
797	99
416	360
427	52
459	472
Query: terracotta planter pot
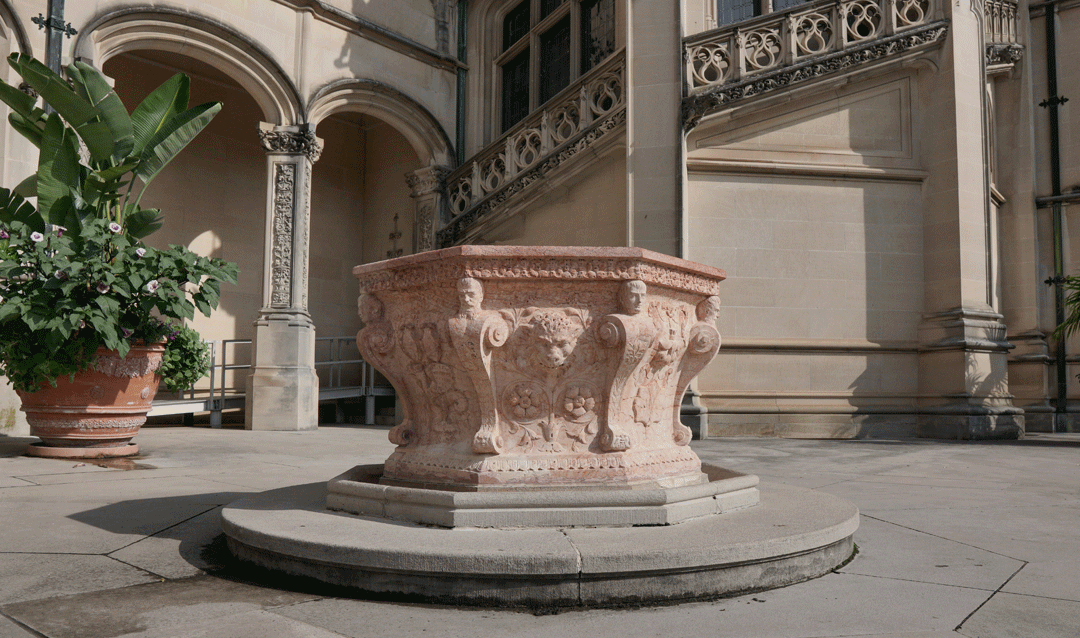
97	414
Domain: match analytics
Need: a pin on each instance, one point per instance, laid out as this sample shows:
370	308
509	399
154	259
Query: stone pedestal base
358	492
793	535
283	389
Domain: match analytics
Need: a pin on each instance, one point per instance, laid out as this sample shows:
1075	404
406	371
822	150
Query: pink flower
152	286
140	252
36	236
114	227
103	287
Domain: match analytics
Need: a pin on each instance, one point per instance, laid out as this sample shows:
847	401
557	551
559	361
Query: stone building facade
886	182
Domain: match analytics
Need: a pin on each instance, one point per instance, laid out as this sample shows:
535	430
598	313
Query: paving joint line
164	529
18	623
989	551
990	597
920	582
160	578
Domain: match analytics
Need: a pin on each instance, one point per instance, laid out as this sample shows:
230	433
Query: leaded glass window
546	45
729	11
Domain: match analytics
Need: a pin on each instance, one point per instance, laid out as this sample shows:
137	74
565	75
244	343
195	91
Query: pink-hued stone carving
522	367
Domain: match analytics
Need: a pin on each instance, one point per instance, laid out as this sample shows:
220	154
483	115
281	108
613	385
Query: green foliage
123	149
65	295
186	360
74	275
1072	309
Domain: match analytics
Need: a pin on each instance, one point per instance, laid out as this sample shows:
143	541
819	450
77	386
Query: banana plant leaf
162	105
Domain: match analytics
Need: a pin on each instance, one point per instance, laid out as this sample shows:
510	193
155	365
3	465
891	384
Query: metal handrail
219	393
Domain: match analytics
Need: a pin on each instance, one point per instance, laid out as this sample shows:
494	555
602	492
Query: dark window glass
780	5
555	59
597	32
515	90
736	10
516	24
547	6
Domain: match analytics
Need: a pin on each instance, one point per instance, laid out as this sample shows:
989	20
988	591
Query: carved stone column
283	389
427	185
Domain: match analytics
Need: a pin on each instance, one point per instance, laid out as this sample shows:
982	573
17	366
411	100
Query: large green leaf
141	223
91	85
172	138
14	208
27	128
53	89
27	187
164	103
18	101
58	166
98	139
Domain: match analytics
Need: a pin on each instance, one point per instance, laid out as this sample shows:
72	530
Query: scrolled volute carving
702	345
474	332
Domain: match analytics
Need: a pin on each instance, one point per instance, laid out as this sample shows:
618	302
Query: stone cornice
701	104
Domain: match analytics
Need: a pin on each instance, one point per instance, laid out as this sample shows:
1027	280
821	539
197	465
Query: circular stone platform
794	534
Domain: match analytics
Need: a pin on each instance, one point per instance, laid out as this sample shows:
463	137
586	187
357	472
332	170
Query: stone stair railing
781	48
576	118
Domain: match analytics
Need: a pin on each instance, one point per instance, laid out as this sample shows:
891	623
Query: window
546	45
729	11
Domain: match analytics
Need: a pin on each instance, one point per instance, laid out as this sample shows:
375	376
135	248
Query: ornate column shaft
428	186
283	389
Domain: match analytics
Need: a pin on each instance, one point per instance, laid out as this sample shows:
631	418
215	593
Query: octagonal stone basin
525	368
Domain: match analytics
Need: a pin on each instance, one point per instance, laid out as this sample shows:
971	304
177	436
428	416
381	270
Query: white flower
152	286
114	227
36	236
141	252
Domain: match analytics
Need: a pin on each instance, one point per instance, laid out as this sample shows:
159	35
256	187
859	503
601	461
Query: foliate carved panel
537	380
281	255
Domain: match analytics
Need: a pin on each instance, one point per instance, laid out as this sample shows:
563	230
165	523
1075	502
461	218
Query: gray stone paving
957	539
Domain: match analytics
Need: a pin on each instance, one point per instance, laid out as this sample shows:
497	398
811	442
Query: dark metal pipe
1050	200
1052	103
462	53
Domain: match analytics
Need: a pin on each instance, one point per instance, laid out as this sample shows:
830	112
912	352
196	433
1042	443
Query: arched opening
361	212
213	195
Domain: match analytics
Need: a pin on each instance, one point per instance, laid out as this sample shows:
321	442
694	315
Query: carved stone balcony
1002	45
584	115
781	49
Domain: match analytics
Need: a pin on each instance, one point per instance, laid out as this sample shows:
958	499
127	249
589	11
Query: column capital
427	180
291	140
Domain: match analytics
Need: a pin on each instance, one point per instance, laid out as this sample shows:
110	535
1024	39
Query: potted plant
85	302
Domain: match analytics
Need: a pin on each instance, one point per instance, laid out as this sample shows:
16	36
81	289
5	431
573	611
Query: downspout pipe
1052	104
462	53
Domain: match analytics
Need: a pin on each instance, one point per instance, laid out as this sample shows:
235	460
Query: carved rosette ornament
520	366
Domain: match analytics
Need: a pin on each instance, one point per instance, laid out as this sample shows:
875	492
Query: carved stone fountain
541	389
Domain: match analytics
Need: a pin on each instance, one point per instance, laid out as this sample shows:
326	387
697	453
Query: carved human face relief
632	297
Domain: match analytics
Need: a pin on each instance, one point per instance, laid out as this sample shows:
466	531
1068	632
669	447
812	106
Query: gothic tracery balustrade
570	121
772	41
1000	22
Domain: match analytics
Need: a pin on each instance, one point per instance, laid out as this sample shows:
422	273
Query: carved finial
632	297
